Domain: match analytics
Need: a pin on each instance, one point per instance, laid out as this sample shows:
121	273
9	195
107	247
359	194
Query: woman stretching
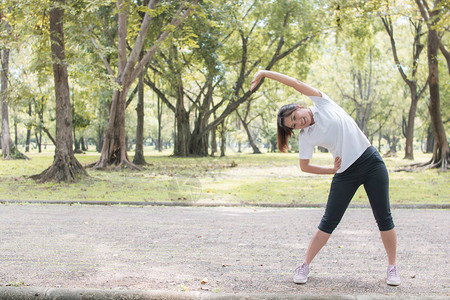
356	162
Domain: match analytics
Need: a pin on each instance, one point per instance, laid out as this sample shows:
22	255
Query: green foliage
347	41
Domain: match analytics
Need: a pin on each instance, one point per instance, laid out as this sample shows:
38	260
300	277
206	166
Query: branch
387	22
122	38
423	88
176	21
49	135
350	97
131	97
417	46
255	64
163	97
105	61
139	43
445	53
249	9
243	63
290	50
155	70
422	10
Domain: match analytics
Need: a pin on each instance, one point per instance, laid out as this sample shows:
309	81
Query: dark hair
283	132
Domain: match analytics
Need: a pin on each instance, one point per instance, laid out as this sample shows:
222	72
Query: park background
156	106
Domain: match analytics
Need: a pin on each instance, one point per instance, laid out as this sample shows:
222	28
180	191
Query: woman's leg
377	189
342	189
318	240
389	239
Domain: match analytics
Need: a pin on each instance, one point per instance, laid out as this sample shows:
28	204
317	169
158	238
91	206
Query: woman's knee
385	222
328	225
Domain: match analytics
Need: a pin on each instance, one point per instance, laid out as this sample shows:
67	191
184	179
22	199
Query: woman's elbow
305	169
304	166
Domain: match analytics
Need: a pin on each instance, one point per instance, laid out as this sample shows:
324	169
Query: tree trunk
412	83
38	139
114	150
39	109
65	166
430	140
183	132
223	142
139	158
159	142
83	144
393	146
213	141
441	153
100	138
409	150
9	149
198	144
128	69
77	146
15	134
249	135
28	140
6	138
114	145
27	143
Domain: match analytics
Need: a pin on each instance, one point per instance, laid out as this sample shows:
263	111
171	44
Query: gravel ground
221	250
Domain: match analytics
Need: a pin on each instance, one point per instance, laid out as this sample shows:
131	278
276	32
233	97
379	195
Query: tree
6	138
139	158
416	91
432	16
65	166
114	151
9	149
252	34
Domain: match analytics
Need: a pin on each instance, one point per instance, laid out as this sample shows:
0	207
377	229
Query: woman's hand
337	163
258	76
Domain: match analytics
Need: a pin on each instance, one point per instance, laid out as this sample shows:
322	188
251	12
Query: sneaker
393	278
301	274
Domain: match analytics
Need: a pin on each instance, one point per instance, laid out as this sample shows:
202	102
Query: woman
356	162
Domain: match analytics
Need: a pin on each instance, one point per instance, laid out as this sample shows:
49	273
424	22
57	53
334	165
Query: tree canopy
191	63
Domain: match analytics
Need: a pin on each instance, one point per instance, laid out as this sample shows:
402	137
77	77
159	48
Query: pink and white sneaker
393	278
301	274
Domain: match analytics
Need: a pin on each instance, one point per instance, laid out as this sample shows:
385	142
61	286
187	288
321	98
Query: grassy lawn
237	178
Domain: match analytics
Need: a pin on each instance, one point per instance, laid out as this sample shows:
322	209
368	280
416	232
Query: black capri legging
369	169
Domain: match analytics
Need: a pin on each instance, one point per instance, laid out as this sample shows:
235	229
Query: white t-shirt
333	129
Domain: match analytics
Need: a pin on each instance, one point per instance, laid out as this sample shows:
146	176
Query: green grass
264	178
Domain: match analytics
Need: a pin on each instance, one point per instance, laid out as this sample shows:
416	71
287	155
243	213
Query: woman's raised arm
287	80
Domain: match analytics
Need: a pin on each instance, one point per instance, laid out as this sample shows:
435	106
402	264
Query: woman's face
299	119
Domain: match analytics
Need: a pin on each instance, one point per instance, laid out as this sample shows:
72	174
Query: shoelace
301	270
393	272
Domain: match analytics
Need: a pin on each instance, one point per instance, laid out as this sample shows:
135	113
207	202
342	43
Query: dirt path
217	250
